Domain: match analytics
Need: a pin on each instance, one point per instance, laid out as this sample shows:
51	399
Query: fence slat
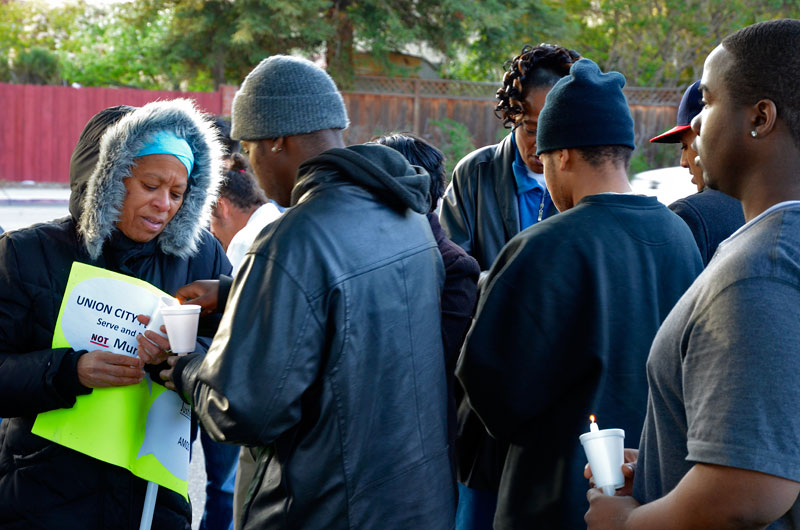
43	123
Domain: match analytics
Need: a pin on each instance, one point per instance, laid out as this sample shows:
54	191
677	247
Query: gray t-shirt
723	369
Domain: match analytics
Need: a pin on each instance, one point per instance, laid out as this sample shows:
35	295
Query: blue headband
168	143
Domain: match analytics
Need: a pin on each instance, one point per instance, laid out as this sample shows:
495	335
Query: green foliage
638	164
5	68
654	156
662	42
456	142
35	66
198	44
500	28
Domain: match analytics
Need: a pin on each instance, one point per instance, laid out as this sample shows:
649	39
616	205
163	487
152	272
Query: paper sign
143	428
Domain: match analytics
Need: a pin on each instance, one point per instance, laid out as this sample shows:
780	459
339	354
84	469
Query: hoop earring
753	133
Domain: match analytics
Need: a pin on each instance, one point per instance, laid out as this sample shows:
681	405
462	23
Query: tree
663	42
35	66
224	39
501	29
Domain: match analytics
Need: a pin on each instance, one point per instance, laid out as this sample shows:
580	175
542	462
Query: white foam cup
157	319
181	322
605	452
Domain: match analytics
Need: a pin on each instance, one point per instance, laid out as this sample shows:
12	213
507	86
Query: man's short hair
240	187
599	155
767	66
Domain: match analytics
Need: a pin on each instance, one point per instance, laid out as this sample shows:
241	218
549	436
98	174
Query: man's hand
204	293
166	375
101	369
708	497
629	457
607	513
153	348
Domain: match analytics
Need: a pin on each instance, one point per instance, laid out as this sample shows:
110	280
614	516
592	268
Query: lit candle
593	426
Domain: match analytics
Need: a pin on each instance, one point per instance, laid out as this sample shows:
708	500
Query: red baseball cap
690	106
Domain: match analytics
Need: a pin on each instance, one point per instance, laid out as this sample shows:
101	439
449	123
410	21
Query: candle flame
591	418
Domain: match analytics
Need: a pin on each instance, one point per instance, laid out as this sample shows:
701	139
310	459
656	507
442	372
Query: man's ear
765	114
564	159
223	208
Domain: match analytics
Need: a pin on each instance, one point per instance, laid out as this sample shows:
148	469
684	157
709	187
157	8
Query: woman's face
155	193
525	129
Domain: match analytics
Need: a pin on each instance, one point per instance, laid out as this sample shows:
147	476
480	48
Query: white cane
149	506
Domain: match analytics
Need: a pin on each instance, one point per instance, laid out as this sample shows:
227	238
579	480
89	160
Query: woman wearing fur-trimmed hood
143	180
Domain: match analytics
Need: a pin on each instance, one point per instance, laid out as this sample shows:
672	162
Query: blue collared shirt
532	196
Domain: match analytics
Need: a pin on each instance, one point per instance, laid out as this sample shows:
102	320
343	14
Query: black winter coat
44	485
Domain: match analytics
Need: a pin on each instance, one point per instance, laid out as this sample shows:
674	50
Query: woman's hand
101	369
153	348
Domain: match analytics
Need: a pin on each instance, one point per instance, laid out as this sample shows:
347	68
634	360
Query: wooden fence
41	124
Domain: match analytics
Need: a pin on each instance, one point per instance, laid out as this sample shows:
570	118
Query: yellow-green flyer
144	427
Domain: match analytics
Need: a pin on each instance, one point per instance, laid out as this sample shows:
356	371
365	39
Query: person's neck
591	180
239	218
324	140
772	180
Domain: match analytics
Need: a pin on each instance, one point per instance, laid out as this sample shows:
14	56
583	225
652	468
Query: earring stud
753	133
275	148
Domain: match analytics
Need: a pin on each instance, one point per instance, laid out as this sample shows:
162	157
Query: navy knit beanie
585	108
286	96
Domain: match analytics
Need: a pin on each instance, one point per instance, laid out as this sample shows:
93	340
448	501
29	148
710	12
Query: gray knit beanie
285	96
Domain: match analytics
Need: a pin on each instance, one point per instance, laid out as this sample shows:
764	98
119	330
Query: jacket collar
505	188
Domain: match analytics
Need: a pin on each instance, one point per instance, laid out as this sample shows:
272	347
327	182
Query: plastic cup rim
184	309
602	433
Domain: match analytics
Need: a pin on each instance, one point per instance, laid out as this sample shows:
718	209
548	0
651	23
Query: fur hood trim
106	192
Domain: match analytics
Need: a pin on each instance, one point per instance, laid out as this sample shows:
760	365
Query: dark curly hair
541	66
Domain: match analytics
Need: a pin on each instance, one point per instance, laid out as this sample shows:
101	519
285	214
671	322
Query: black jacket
480	211
329	355
557	339
458	307
42	484
712	217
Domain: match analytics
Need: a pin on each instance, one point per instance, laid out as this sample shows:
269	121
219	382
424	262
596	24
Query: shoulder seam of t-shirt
701	312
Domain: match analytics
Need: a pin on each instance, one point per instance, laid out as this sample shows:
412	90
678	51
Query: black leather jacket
329	355
480	212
